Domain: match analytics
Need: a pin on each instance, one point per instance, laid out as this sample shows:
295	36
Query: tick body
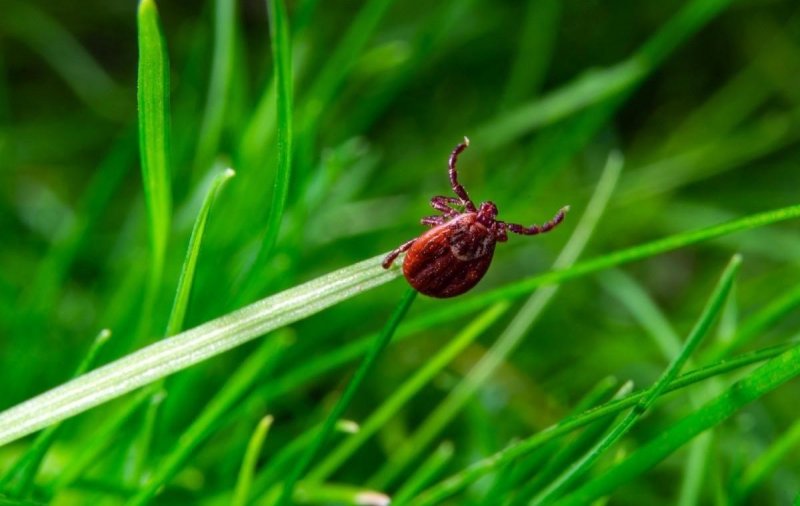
450	258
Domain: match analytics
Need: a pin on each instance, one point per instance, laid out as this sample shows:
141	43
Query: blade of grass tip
138	453
281	41
257	365
190	347
245	480
598	86
344	401
186	278
338	494
26	467
222	61
391	406
698	332
763	380
459	481
764	466
511	336
428	471
154	143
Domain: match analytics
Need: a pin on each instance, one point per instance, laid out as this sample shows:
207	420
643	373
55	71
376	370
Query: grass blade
190	347
245	480
154	140
760	382
700	330
184	290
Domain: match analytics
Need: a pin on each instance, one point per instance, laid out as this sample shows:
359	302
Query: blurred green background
701	97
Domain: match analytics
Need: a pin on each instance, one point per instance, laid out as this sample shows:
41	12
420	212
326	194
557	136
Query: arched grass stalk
190	347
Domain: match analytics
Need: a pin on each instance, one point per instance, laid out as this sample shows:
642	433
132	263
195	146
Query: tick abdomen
451	258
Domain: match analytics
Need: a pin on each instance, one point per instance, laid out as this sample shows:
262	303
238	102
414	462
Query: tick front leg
444	205
539	229
433	221
457	188
387	262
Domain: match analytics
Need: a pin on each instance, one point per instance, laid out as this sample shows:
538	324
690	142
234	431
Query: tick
450	258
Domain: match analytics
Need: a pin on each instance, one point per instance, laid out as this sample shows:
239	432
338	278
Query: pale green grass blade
65	54
457	482
190	347
245	480
760	382
409	388
261	362
510	338
24	471
184	289
598	86
698	333
282	70
154	140
534	51
353	385
222	60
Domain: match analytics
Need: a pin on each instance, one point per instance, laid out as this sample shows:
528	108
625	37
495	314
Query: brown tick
453	256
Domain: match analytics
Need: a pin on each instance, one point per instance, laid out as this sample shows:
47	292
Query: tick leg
457	188
387	262
539	229
433	221
500	231
445	205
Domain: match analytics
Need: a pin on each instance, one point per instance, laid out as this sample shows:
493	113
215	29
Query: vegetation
196	200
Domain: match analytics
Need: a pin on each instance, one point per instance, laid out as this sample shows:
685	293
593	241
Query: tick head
487	213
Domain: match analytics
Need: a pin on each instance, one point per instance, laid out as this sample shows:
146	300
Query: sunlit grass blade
190	347
186	279
758	383
154	140
260	363
699	331
245	480
222	61
364	368
510	338
24	471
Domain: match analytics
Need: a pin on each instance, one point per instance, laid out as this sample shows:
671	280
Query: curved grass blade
184	290
245	480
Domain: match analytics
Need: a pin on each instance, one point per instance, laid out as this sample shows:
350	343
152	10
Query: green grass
170	334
